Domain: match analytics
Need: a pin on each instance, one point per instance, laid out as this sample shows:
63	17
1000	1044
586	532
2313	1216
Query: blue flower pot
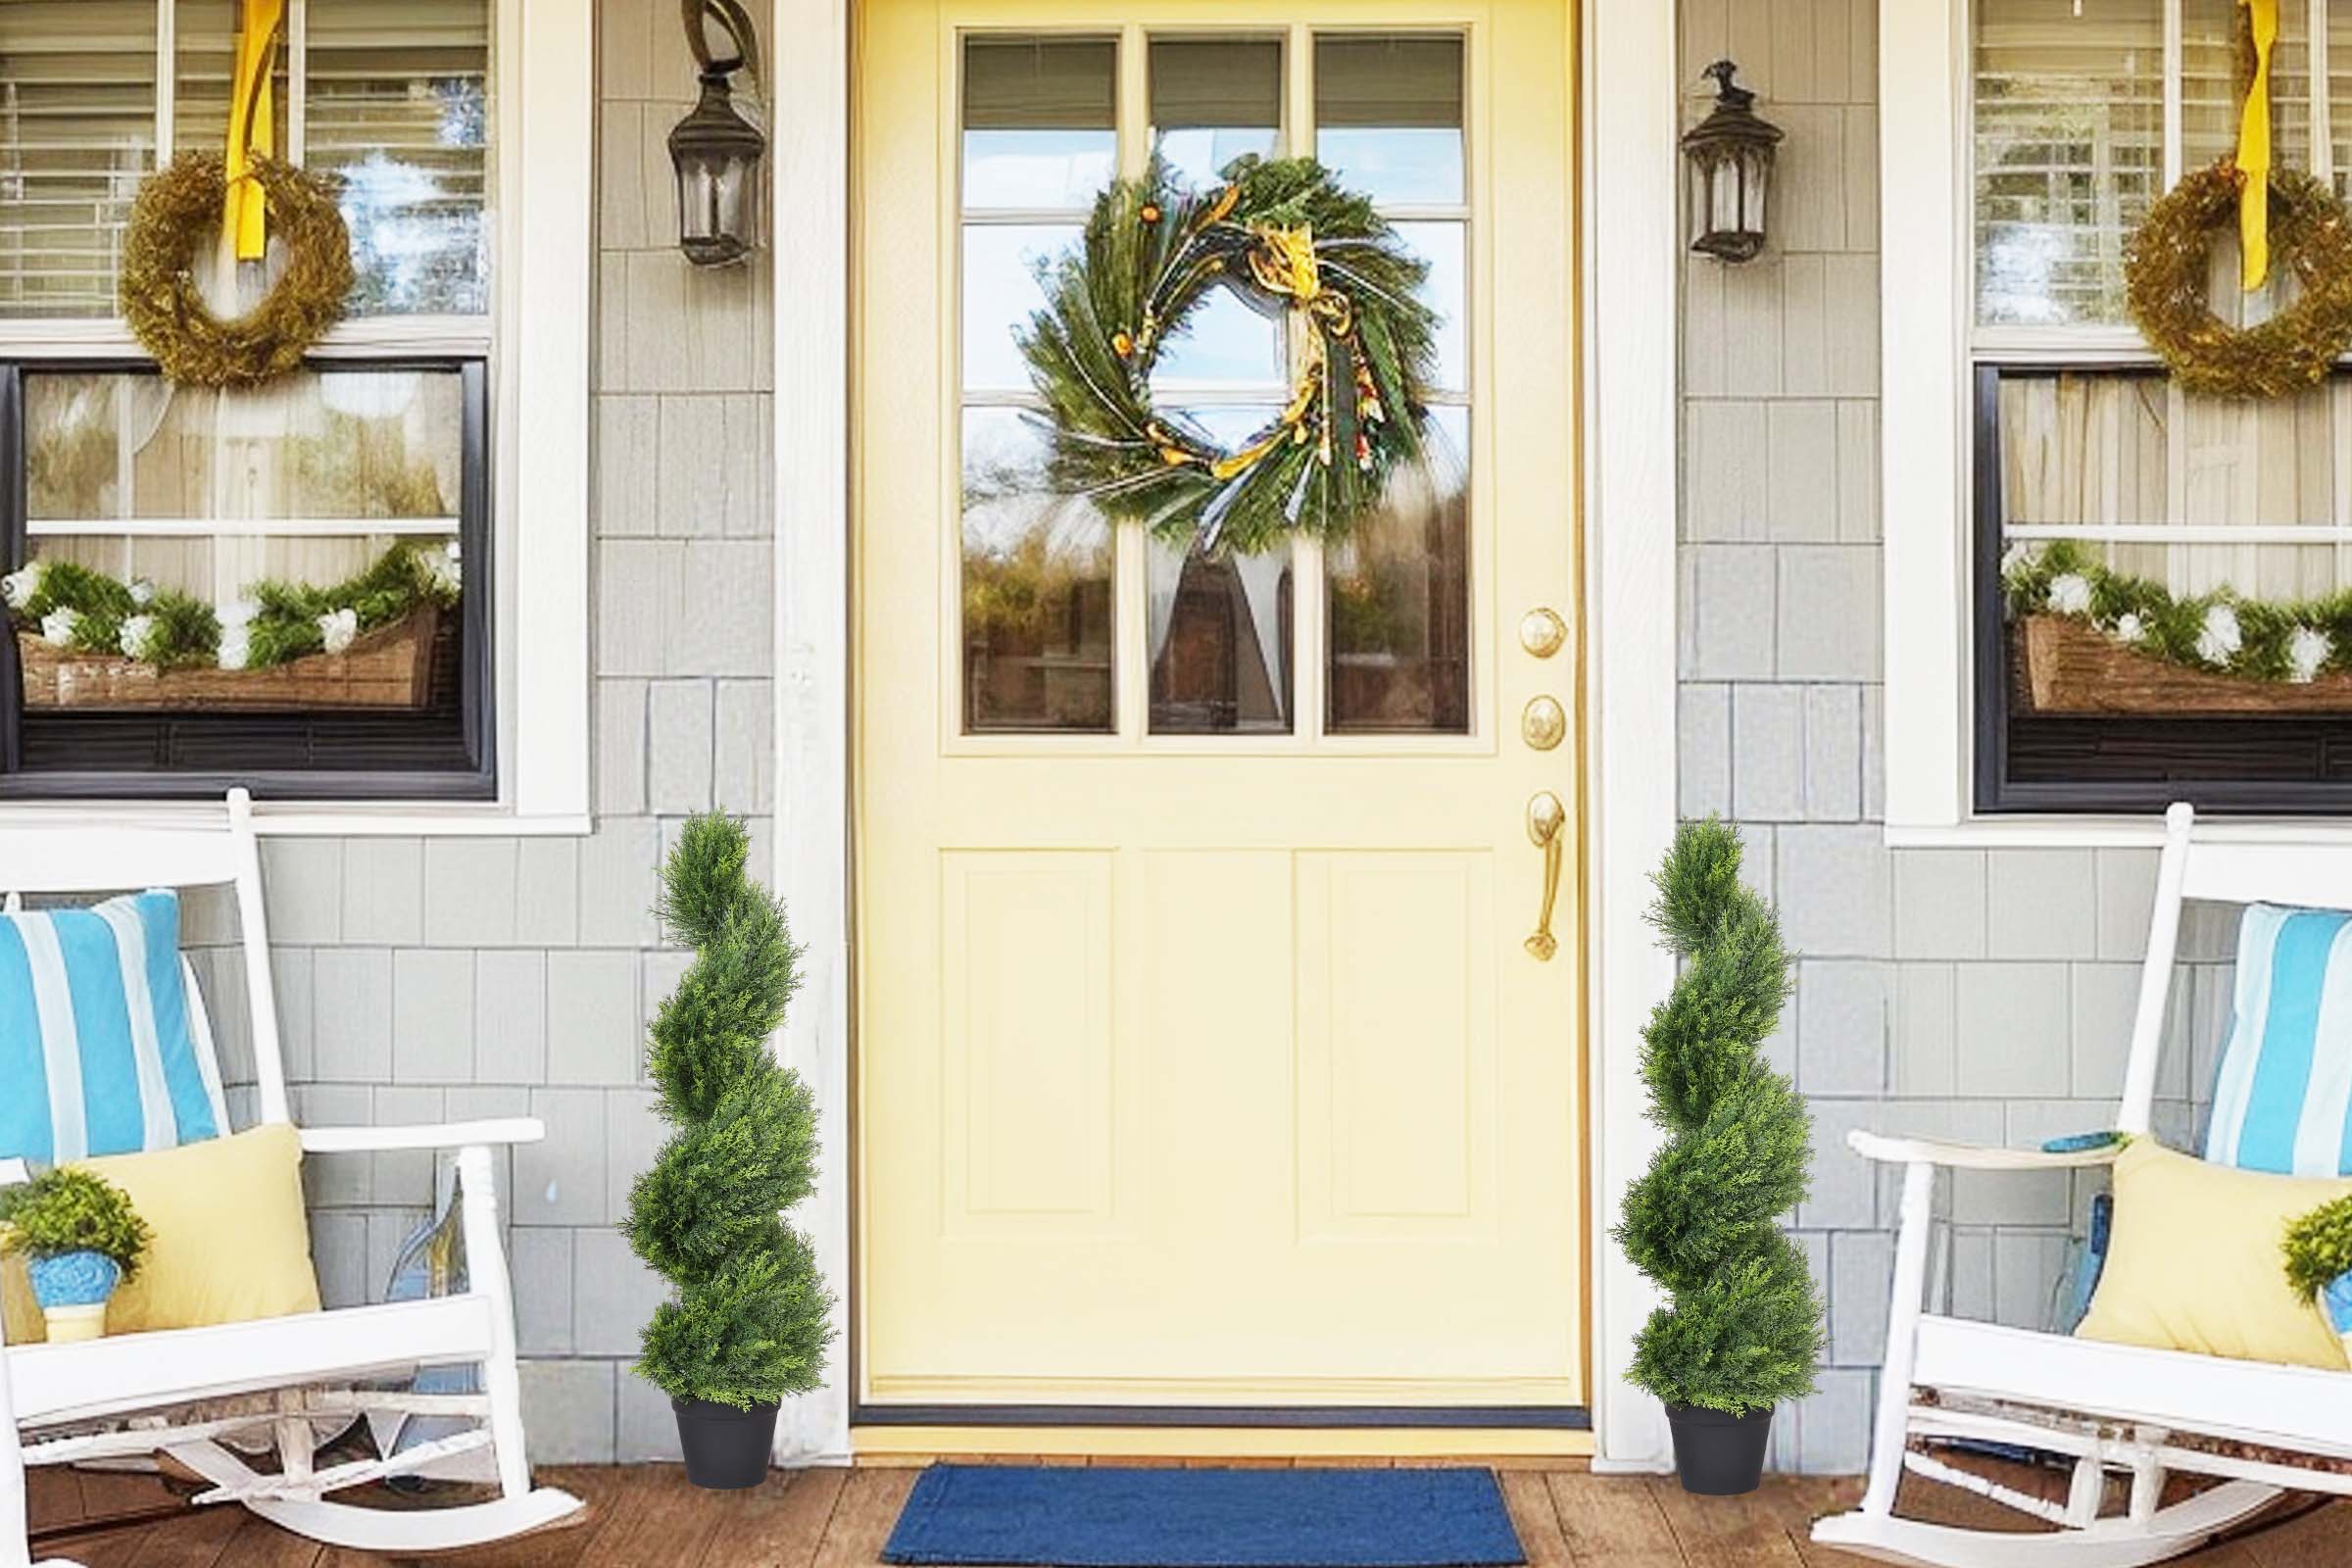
73	1279
2335	1300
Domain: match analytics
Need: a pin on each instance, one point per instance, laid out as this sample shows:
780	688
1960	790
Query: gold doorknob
1545	816
1541	632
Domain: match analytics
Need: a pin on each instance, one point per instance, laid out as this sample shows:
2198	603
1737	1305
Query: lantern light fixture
715	150
1730	154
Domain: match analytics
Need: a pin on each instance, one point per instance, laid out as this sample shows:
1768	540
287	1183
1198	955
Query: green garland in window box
87	639
2090	639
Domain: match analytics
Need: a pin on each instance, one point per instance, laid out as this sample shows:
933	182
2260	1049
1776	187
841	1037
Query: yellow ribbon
250	128
2254	151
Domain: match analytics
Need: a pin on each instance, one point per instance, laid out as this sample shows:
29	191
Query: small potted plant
80	1239
2319	1264
1743	1329
748	1316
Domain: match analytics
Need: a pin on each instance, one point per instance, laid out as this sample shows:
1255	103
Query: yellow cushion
231	1238
2194	1261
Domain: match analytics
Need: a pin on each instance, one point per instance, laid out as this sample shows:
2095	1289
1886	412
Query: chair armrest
447	1135
1972	1156
14	1171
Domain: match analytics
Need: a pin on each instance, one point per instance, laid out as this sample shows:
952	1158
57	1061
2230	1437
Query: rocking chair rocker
2259	1427
182	1392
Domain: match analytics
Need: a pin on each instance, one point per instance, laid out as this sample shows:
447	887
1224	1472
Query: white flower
20	586
339	627
141	591
2221	638
2306	652
138	637
2016	556
236	645
236	611
2070	594
57	627
447	571
2129	627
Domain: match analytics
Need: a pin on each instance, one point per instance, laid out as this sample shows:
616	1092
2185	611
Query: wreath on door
1291	242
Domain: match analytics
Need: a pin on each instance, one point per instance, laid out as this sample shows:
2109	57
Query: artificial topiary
749	1322
1743	1329
70	1210
2318	1248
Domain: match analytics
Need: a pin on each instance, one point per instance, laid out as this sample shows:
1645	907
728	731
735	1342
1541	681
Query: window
391	457
1042	133
2066	451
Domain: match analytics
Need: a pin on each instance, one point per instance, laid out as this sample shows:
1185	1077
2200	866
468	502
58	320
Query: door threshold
917	1434
1549	1417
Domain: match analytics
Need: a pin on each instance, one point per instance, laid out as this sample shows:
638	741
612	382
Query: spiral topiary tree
748	1319
1743	1329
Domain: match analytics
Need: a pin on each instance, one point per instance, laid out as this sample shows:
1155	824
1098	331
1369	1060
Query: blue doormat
1047	1516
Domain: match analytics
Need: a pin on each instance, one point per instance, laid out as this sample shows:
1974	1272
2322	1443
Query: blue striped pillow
2282	1096
97	1055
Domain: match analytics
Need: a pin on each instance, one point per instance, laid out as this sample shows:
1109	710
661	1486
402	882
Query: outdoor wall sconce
1730	155
716	151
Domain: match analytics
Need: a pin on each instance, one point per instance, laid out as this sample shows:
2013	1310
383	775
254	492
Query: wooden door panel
1209	1068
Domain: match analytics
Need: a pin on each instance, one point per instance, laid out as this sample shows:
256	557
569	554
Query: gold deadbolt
1543	723
1542	632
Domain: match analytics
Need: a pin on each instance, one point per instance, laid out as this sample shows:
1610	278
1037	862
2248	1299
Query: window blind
76	133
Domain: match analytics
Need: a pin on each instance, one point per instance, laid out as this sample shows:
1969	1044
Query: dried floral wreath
1287	238
2165	275
178	213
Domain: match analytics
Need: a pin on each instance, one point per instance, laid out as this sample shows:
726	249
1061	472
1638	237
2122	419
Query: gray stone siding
1975	994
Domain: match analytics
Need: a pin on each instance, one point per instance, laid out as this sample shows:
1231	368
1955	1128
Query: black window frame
1998	793
477	659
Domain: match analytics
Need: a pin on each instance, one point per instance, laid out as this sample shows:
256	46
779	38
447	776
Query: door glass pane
1212	100
1001	292
1040	126
78	77
1220	624
1036	588
1220	642
1389	117
2069	152
1446	291
1398	604
1039	136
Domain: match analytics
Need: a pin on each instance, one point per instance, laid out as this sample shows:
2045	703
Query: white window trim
1923	435
1927	289
1630	208
544	204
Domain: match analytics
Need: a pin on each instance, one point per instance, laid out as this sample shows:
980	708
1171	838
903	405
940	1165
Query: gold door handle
1545	816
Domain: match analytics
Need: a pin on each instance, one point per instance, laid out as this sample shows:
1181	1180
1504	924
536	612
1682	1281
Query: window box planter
390	667
2061	665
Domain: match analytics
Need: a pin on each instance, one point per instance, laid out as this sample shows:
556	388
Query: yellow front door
1203	1060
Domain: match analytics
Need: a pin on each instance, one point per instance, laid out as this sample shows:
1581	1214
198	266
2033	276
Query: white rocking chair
180	1393
2262	1429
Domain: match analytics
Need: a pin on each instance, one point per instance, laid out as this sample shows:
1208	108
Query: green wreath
1286	238
177	213
2165	277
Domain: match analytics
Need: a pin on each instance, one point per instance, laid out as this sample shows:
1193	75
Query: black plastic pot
725	1449
1719	1455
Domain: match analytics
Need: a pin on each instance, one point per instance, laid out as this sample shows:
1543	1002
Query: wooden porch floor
646	1516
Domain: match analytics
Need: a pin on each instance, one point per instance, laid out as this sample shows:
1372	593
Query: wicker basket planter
2061	665
390	667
